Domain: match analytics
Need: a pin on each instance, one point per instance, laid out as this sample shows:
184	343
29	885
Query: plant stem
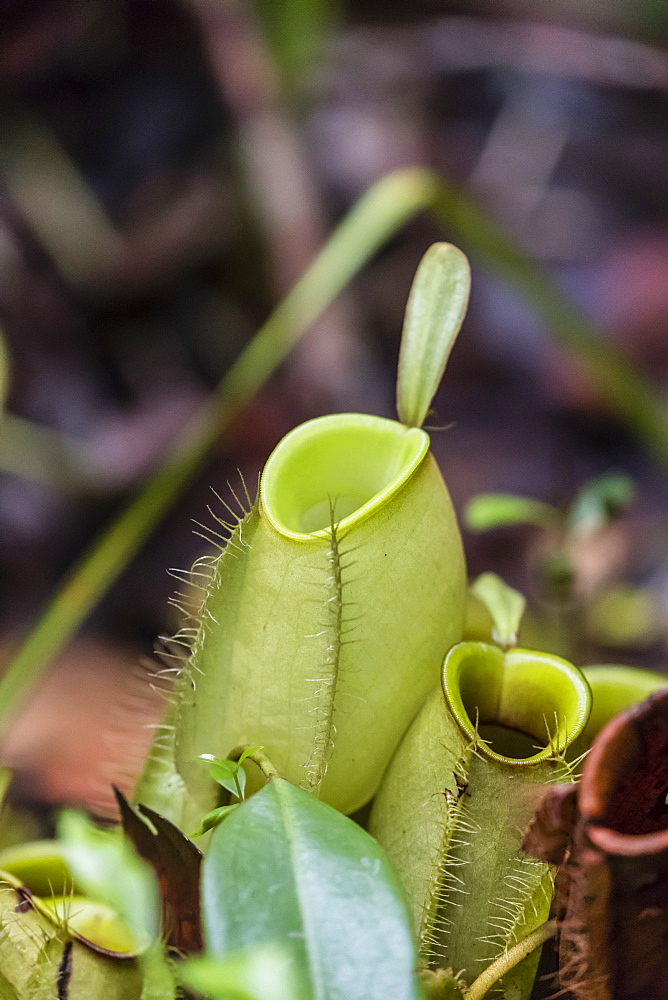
481	986
259	758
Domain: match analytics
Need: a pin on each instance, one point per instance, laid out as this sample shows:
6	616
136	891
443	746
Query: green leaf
505	605
288	870
265	973
103	863
231	775
499	510
601	500
434	314
228	773
213	818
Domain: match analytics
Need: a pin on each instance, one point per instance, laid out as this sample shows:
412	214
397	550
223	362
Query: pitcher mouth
338	468
519	706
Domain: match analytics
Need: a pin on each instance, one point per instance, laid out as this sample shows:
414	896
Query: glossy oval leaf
285	869
434	314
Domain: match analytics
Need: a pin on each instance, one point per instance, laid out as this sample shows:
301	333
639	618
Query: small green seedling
230	775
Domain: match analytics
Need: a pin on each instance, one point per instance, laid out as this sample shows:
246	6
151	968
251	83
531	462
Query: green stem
510	958
259	758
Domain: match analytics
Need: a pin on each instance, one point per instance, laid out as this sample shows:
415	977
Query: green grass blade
378	214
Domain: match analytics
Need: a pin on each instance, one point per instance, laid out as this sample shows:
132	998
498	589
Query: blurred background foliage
169	169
